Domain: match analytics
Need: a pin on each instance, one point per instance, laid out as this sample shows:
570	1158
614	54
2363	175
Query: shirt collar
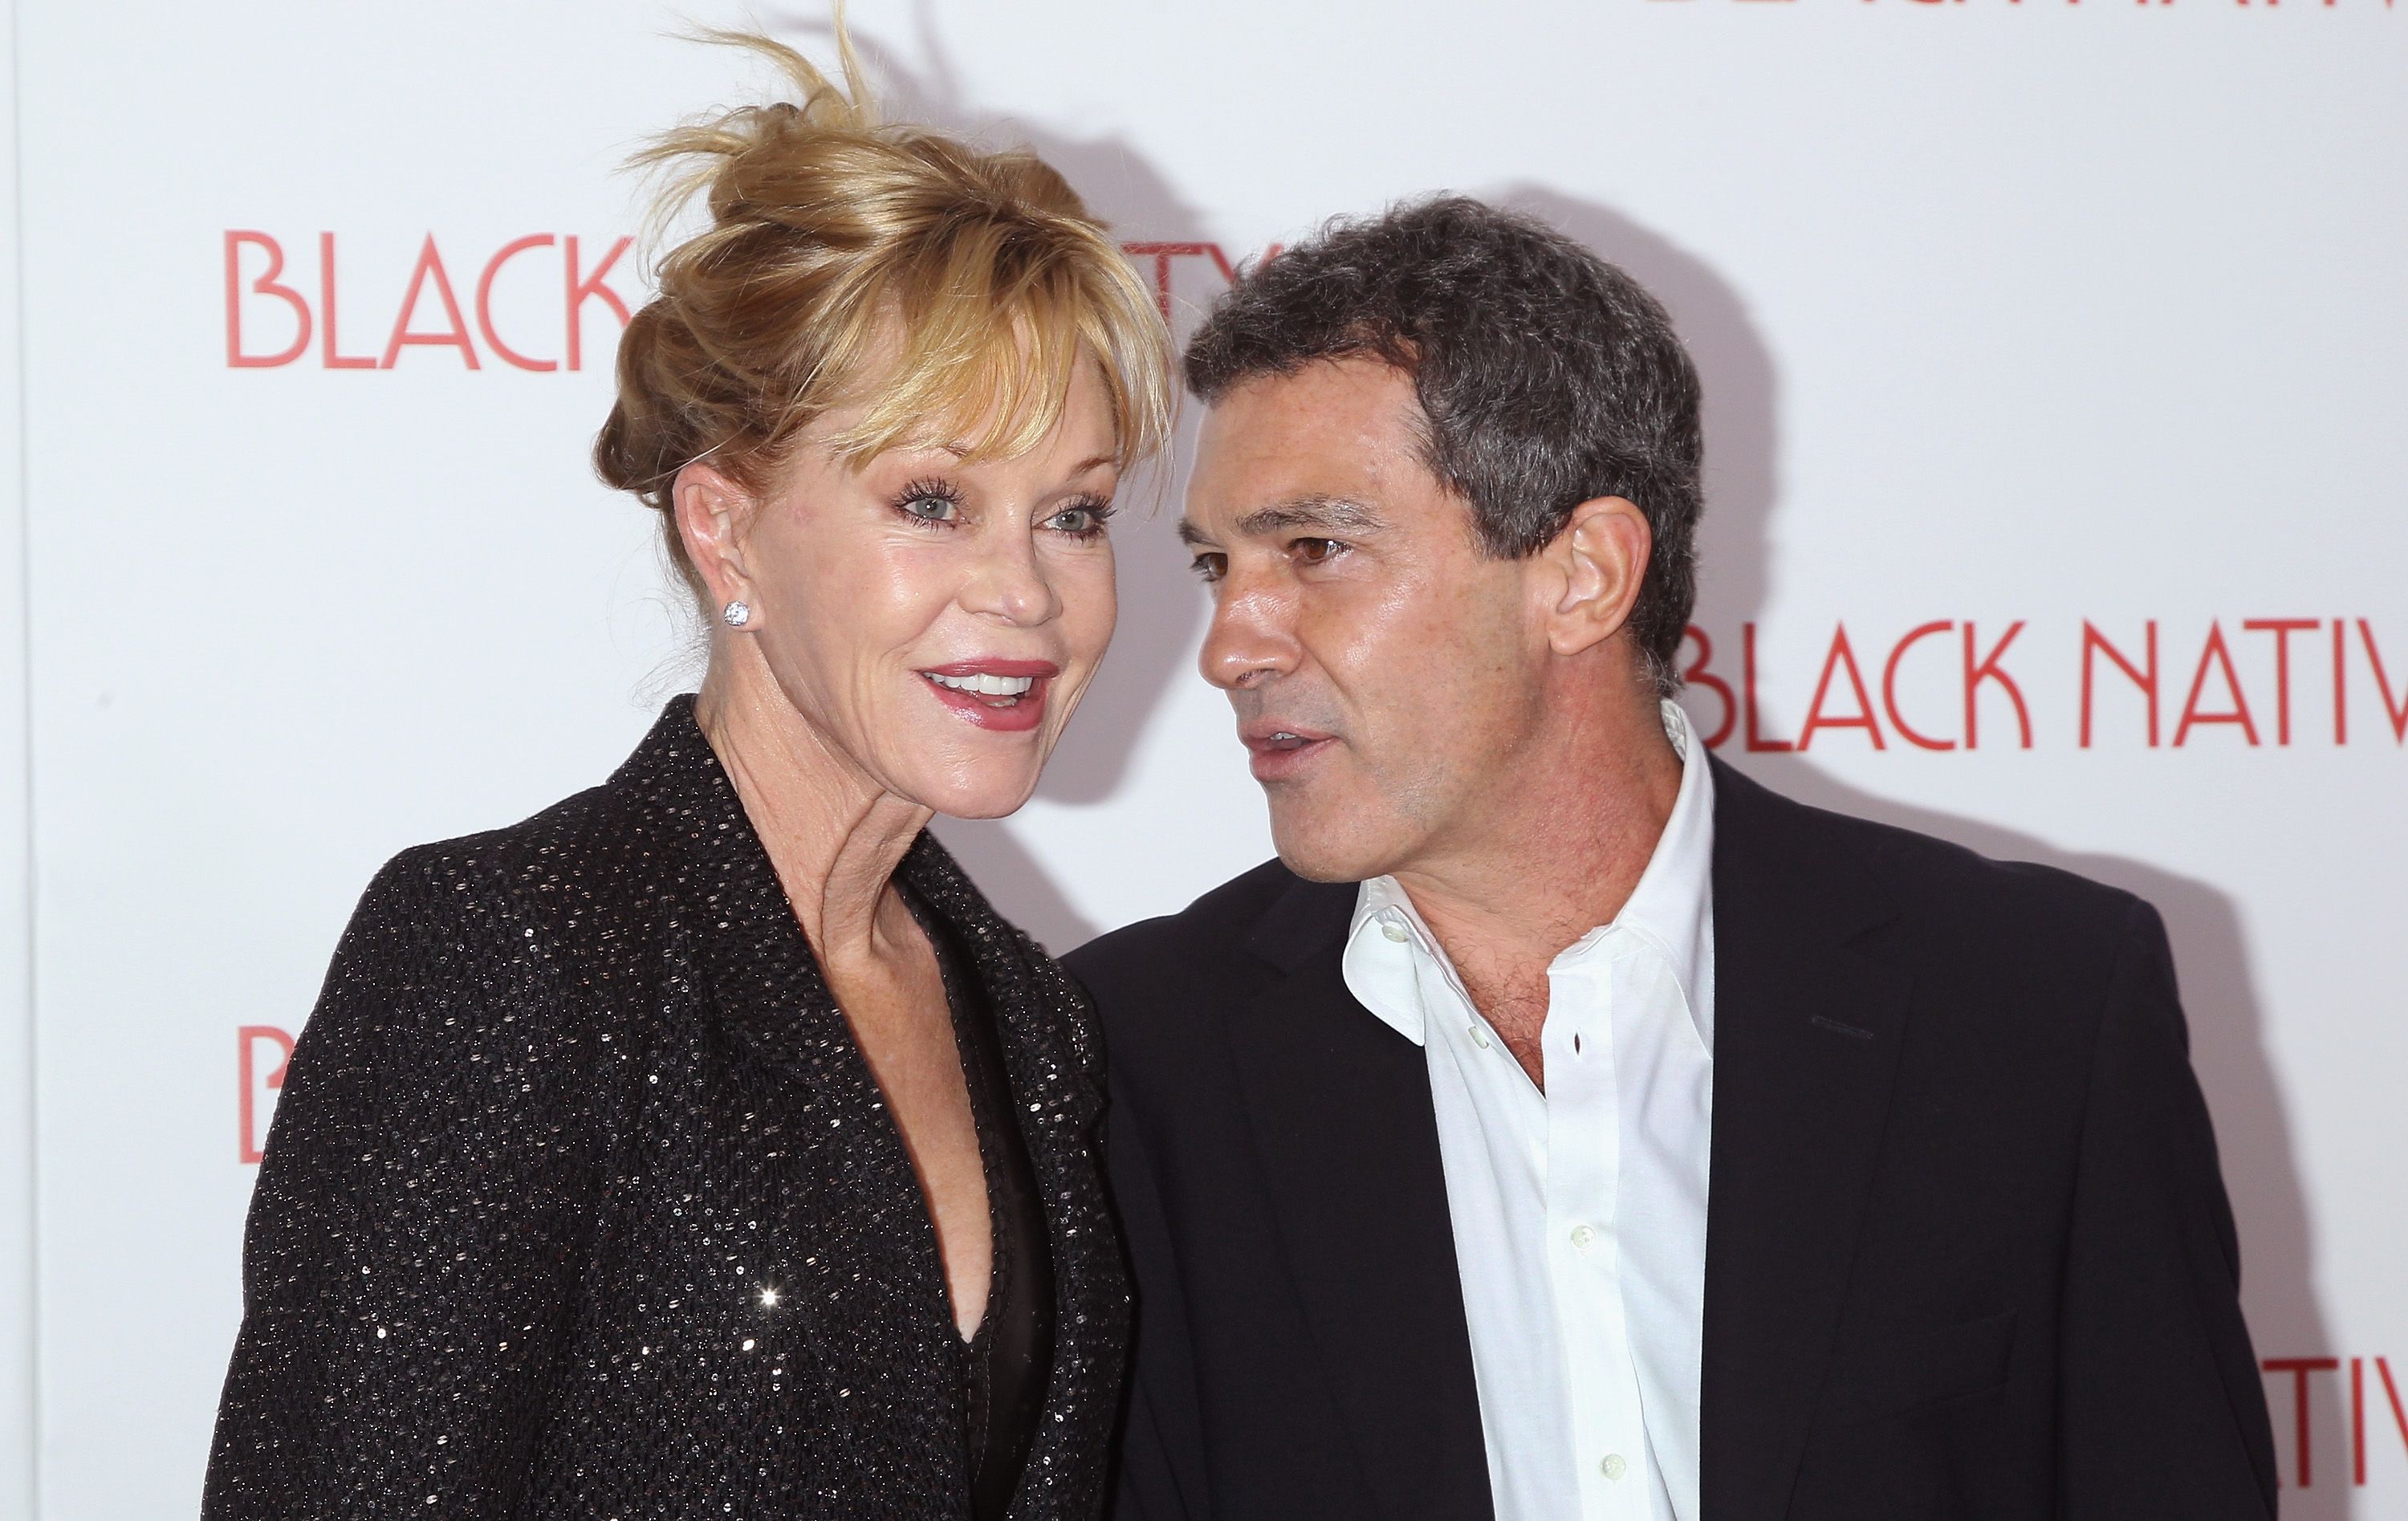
1673	903
1673	908
1379	973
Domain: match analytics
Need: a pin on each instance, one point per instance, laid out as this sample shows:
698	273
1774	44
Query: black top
1968	1253
581	1200
1013	1351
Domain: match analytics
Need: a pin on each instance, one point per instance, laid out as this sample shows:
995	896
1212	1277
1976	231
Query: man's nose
1252	638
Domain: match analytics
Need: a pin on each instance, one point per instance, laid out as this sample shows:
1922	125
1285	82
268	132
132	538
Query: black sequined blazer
582	1203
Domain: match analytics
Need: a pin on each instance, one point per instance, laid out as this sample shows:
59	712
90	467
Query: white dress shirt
1579	1213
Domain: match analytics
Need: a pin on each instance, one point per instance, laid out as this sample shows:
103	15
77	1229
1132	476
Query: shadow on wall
2227	1050
1161	610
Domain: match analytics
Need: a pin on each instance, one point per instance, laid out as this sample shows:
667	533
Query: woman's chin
967	775
984	811
980	796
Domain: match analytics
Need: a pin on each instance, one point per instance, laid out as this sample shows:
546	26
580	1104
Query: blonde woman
706	1145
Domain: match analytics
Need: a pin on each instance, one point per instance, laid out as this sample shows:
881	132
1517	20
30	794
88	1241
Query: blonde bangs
975	344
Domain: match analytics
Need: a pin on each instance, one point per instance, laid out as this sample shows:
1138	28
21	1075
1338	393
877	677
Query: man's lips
1007	695
1280	751
1264	735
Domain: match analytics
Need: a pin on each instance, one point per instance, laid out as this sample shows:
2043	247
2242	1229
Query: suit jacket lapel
1807	1034
1339	1106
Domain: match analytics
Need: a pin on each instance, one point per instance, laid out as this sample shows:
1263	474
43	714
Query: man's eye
1314	551
1211	568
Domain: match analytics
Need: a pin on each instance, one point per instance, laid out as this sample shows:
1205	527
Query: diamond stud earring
736	614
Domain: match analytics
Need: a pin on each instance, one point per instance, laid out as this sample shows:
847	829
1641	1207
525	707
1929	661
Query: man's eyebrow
1308	511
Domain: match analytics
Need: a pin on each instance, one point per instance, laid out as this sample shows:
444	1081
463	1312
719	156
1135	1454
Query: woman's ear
712	512
1599	560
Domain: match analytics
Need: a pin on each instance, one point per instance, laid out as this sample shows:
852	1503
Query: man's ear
1595	566
712	512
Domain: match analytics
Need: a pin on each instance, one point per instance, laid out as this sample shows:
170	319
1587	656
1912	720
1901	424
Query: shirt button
1583	1237
1479	1036
1613	1466
1393	928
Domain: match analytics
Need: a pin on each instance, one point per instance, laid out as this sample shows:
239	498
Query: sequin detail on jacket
582	1203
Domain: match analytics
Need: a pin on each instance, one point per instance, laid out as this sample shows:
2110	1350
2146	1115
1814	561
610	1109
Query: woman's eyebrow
962	451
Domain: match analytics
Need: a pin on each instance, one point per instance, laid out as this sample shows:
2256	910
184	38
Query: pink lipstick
1005	696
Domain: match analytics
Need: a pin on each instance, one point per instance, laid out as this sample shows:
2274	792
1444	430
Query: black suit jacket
581	1200
1968	1251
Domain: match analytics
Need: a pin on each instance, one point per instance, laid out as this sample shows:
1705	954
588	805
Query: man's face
1385	670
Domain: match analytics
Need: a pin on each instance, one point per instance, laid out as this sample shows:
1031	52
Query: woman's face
933	622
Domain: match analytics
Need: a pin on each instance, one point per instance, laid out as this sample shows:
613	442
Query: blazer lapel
1050	1053
1807	1034
726	917
1340	1107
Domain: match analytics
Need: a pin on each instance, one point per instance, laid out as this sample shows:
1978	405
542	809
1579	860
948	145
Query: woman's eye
1084	521
931	508
1314	551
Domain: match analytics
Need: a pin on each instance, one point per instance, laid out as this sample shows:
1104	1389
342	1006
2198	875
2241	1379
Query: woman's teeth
1010	689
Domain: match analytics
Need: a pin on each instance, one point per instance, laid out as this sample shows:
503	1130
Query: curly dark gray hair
1546	376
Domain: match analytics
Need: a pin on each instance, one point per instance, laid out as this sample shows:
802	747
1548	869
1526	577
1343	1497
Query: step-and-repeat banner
2056	355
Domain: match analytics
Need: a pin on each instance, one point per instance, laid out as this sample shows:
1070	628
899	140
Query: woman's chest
760	1297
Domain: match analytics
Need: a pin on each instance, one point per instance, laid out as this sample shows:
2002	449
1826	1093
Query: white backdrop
2082	320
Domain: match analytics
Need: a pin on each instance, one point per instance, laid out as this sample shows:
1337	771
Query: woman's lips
1279	753
1004	696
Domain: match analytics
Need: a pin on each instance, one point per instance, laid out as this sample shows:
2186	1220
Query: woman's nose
1010	584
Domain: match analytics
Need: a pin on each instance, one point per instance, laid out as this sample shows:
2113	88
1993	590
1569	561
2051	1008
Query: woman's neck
834	836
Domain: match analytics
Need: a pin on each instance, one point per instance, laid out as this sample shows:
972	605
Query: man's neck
1561	854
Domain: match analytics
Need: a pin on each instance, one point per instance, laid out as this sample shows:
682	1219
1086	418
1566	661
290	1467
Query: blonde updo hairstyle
847	261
